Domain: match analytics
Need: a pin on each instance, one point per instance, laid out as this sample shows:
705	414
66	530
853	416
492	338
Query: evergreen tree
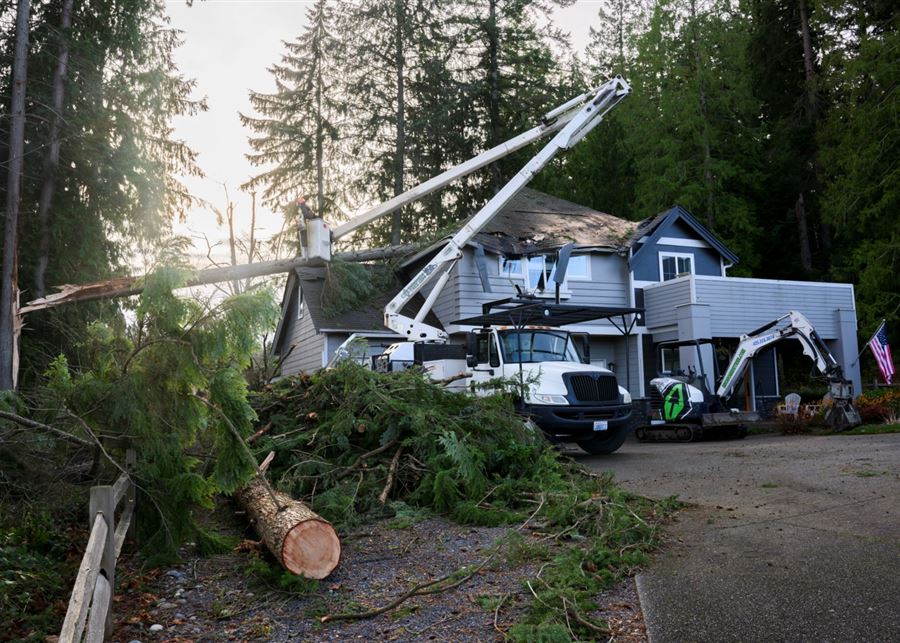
691	120
599	172
299	131
860	146
513	75
784	50
116	187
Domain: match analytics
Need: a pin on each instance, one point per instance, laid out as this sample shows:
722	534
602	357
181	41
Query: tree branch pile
356	446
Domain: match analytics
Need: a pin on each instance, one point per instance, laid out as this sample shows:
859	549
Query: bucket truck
683	409
564	394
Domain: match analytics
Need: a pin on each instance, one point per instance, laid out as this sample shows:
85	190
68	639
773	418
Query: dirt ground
214	598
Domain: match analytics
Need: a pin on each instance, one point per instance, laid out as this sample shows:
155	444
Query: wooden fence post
102	501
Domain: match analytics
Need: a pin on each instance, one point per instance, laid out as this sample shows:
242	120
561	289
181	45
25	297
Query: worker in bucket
303	213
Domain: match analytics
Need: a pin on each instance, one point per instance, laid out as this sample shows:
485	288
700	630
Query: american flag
882	352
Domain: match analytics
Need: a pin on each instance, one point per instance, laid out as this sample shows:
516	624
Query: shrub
879	405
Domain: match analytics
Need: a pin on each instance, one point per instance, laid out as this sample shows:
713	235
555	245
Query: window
537	273
671	360
675	264
301	305
538	346
487	350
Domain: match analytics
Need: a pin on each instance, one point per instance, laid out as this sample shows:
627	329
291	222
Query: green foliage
35	573
455	448
299	127
172	385
352	286
116	188
336	434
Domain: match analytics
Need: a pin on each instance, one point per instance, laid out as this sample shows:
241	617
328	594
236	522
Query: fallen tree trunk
127	286
303	543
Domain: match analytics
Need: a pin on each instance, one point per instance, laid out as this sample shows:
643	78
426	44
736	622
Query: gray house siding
744	304
740	305
737	306
464	295
660	302
306	355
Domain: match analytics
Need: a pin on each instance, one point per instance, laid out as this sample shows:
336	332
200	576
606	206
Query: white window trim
684	243
676	256
587	277
521	276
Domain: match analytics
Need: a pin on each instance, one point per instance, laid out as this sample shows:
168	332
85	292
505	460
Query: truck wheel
604	444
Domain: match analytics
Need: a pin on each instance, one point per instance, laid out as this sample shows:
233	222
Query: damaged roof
368	317
533	220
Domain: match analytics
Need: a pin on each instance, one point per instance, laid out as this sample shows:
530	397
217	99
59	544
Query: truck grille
594	388
656	399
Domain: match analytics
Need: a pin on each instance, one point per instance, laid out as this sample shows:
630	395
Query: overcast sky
228	47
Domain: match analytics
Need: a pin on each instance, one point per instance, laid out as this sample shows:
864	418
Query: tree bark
492	31
803	233
400	141
9	290
811	117
303	543
51	162
708	177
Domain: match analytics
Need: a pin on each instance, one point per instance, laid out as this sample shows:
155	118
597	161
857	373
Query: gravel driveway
787	538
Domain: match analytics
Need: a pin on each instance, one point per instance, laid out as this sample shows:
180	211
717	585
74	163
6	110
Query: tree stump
304	543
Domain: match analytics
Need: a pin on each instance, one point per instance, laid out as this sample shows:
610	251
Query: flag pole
866	345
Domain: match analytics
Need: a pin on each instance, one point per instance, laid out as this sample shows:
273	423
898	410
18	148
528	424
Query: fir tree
692	121
299	133
115	187
860	145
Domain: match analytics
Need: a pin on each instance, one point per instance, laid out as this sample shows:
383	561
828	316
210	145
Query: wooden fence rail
91	601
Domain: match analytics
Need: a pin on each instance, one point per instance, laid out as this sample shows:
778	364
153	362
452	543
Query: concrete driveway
785	538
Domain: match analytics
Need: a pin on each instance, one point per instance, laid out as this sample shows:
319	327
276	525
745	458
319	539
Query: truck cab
567	397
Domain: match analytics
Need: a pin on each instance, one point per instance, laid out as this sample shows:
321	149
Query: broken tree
303	543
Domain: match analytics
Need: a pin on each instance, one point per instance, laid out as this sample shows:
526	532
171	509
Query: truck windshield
538	346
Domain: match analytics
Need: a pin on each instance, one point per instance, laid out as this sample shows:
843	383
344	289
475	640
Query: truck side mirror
471	349
583	341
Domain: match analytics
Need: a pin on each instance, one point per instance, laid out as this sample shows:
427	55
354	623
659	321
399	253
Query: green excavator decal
673	403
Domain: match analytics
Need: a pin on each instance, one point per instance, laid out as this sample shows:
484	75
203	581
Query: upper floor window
301	304
675	264
537	273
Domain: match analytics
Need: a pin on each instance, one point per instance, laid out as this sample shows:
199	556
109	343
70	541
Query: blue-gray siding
645	262
739	305
463	295
660	302
306	354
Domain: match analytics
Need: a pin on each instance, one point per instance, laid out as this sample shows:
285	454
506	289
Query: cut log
303	543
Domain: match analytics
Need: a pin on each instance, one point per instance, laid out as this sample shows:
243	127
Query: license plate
600	425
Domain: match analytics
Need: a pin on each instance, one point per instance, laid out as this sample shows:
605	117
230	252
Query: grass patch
769	485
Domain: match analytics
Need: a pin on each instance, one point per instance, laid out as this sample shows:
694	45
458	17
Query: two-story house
670	265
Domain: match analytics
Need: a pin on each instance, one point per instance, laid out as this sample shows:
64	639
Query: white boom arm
551	122
594	107
752	343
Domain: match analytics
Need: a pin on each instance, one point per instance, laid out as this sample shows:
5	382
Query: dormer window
675	264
